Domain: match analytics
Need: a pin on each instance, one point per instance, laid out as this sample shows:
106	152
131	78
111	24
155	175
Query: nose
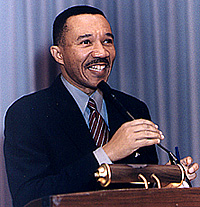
99	51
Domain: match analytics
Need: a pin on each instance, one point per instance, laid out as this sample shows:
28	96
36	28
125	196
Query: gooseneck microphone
107	92
174	160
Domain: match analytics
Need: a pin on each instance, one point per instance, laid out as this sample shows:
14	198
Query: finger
190	172
193	168
168	163
186	161
142	130
146	126
190	169
147	134
143	122
146	142
191	176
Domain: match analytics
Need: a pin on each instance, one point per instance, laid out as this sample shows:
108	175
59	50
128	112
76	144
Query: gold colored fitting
140	176
156	179
103	175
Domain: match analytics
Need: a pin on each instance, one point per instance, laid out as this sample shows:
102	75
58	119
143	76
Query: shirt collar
82	98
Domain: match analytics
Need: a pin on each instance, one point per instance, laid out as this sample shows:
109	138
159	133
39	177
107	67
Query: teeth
97	67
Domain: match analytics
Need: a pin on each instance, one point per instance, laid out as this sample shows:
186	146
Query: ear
57	54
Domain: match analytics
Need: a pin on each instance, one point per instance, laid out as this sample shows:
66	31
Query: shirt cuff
101	156
184	185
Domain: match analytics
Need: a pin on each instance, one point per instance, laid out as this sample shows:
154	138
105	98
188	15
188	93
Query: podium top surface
124	197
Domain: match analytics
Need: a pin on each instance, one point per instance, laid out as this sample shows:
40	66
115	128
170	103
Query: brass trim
144	180
183	172
156	179
103	175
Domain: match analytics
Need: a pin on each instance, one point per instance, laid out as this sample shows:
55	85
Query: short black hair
59	23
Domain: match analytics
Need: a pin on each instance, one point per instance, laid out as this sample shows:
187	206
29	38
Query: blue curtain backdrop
158	53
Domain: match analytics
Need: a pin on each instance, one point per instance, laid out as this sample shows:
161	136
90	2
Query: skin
85	42
189	166
89	38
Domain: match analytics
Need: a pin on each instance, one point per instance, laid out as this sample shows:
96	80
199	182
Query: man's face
89	52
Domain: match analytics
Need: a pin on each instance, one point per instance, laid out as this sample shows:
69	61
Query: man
49	145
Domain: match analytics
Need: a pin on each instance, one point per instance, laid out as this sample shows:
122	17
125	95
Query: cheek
71	60
77	57
113	53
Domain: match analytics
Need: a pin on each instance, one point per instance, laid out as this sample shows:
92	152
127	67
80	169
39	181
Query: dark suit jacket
48	146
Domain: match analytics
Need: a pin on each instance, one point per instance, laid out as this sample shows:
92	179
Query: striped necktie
98	126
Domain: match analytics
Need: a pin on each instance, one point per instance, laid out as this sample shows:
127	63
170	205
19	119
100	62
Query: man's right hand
132	136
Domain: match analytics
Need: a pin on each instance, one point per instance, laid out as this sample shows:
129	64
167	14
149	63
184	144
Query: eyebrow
89	35
110	35
84	36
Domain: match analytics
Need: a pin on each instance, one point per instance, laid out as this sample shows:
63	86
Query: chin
97	82
93	84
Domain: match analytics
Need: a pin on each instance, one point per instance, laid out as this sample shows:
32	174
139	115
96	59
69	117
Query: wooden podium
130	173
124	197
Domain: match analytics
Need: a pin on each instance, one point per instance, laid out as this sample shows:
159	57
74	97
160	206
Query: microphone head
104	87
106	90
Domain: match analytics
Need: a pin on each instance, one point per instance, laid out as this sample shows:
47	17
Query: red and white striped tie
98	126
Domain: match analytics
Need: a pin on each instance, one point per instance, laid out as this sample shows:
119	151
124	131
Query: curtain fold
158	52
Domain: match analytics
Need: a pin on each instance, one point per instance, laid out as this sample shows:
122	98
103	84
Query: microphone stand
107	92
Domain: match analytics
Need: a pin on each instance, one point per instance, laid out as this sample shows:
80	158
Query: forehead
85	23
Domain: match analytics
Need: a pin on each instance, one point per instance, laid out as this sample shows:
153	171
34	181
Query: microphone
107	92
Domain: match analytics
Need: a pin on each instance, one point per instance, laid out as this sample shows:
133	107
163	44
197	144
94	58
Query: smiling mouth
97	68
98	65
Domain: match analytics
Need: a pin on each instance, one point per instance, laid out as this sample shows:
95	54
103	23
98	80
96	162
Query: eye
85	42
108	41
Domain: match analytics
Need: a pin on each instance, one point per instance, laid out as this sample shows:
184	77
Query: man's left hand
190	167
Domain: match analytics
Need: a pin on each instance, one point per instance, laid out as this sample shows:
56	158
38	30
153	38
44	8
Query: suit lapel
71	118
115	118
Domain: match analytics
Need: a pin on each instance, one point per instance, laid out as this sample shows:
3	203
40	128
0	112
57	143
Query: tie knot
92	105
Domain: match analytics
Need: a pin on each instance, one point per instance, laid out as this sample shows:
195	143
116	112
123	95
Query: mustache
98	60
